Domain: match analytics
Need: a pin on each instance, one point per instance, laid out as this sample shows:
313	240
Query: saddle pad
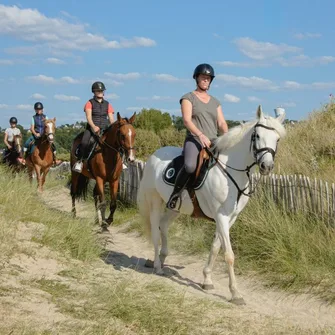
171	171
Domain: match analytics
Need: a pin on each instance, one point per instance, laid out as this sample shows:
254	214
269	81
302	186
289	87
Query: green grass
20	202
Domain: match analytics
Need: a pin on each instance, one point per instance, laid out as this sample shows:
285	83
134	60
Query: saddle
93	142
204	163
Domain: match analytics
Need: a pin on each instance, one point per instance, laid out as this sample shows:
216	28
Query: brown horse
42	158
12	155
104	166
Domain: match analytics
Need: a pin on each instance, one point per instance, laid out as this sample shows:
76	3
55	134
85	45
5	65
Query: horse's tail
143	202
79	190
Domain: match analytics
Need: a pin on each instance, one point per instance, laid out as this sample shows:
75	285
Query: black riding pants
85	143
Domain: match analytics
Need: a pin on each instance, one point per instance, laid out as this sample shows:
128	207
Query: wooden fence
292	192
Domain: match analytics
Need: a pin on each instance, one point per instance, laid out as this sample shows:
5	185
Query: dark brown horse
13	155
42	158
104	166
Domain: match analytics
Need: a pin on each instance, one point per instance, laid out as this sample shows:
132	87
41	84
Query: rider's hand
206	143
9	146
38	135
96	129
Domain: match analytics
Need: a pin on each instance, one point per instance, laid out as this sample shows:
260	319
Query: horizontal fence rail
293	193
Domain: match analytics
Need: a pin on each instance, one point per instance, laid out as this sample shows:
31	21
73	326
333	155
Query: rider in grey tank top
202	119
204	115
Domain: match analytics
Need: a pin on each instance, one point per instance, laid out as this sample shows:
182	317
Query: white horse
223	195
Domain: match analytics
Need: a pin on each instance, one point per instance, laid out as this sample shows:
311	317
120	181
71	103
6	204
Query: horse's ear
132	119
118	117
54	119
260	115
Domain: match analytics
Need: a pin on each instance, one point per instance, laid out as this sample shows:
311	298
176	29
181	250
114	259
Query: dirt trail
129	251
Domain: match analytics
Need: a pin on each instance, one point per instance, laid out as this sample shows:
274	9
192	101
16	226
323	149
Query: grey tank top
204	115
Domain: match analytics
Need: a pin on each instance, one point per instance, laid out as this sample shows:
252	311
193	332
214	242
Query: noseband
265	149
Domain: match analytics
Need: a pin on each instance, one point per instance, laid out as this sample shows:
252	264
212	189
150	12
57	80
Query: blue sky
274	53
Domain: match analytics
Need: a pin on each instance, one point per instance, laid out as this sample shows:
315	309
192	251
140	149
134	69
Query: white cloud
263	50
303	60
123	76
227	63
293	85
26	50
43	79
231	98
157	98
37	96
253	99
112	96
255	83
303	36
6	62
3	106
24	107
63	97
55	61
33	26
166	77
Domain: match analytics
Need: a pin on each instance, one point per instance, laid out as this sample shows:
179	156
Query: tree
153	119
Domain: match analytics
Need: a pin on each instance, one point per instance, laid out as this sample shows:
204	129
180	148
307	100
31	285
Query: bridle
121	150
247	170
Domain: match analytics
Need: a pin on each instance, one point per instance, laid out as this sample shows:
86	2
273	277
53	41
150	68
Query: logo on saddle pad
198	177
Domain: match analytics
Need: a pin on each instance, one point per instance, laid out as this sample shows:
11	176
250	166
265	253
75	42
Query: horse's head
126	136
18	143
264	140
50	129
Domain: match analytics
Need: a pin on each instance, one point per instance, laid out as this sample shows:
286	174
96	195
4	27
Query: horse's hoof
149	264
160	273
104	229
238	301
208	287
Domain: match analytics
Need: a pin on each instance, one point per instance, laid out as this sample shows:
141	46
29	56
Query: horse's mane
235	134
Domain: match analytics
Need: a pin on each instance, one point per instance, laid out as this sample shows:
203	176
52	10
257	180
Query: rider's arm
186	110
110	113
6	140
88	112
32	127
222	124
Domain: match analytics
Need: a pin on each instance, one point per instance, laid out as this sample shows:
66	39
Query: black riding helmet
38	105
97	86
13	120
204	69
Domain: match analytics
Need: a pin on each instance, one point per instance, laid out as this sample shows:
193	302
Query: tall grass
309	147
20	202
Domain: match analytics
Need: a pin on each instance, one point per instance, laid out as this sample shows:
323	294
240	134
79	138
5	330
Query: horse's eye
257	136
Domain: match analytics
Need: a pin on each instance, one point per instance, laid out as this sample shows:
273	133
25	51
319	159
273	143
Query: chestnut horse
41	159
12	155
104	166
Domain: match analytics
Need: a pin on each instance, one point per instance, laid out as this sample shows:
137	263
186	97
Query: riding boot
180	183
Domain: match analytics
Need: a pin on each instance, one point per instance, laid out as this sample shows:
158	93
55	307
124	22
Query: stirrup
171	204
78	166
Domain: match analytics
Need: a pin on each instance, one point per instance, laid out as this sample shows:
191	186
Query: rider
203	117
98	112
37	129
9	137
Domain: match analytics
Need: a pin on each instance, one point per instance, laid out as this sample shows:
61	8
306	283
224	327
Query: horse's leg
222	227
45	172
164	223
95	197
207	271
113	187
38	177
101	203
155	217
